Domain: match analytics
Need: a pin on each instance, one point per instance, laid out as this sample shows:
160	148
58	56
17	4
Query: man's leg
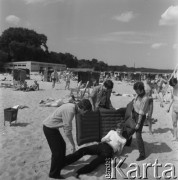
174	123
90	150
150	112
92	165
139	140
58	149
103	151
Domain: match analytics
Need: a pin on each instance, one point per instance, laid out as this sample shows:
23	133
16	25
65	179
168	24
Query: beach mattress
109	118
92	126
87	127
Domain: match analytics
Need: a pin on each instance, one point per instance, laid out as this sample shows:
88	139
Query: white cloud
124	17
157	45
13	19
42	1
170	16
175	46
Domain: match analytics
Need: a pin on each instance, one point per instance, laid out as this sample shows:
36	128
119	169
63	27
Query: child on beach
67	79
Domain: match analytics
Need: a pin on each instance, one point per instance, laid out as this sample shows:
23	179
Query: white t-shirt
116	142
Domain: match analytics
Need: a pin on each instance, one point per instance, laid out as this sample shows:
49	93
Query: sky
140	33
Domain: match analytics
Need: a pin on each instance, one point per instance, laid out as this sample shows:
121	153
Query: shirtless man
174	103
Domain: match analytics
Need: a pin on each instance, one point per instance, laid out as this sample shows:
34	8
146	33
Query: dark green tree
22	44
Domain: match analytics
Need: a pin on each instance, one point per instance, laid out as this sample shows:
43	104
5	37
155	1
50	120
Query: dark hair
85	105
119	126
108	84
173	81
138	86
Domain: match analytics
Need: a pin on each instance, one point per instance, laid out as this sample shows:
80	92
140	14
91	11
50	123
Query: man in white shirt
111	143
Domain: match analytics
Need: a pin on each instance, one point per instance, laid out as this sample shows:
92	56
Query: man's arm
106	138
69	135
170	102
143	108
68	129
92	97
110	104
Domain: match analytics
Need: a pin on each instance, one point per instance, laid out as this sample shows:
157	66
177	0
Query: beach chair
84	91
7	85
75	91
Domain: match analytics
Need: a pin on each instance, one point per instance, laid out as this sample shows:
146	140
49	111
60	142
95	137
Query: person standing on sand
59	76
149	91
110	144
159	88
174	103
67	78
140	106
54	78
100	96
62	117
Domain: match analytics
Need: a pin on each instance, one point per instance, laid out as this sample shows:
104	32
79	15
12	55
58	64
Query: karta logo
113	167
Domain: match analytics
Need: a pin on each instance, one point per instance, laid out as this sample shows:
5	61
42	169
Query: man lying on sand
49	102
110	144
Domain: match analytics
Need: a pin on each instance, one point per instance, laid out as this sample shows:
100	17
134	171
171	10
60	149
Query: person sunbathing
33	87
22	86
49	102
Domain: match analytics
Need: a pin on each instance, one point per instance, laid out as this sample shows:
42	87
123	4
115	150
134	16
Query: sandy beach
25	154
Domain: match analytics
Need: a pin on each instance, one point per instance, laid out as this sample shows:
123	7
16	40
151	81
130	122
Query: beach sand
24	151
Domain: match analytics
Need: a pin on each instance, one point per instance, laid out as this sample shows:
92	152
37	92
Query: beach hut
19	75
87	74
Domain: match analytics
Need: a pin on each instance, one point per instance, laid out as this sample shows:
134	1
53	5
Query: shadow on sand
20	124
155	147
160	130
150	148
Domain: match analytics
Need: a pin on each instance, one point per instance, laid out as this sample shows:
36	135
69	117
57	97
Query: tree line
22	44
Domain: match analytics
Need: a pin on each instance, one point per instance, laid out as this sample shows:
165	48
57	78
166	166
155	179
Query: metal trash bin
10	114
